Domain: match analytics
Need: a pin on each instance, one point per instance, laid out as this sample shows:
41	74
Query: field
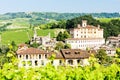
106	20
21	36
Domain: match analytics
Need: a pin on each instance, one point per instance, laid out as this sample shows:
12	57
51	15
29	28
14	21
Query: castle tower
84	23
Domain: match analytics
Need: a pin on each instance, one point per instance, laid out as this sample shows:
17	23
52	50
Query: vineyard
49	72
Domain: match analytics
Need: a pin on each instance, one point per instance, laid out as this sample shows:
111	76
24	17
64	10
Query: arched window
19	56
26	56
70	62
36	63
45	55
39	56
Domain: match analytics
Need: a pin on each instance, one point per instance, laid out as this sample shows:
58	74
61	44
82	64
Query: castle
85	36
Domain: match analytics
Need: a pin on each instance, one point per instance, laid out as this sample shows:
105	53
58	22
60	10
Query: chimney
84	23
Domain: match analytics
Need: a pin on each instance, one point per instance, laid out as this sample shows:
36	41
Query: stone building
45	41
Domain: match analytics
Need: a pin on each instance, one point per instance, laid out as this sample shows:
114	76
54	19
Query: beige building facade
33	57
86	36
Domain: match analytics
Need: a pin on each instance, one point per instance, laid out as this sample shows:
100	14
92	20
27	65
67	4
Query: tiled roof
31	51
76	53
22	45
63	54
58	55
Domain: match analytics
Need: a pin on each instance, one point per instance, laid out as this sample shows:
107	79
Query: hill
24	19
21	35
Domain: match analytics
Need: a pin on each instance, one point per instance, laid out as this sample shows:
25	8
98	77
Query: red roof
31	51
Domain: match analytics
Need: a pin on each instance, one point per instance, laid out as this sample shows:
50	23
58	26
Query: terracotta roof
58	55
31	51
87	27
76	53
105	48
22	45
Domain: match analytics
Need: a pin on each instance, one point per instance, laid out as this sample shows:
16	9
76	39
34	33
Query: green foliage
118	52
102	56
67	46
35	45
21	36
78	20
62	36
59	46
49	72
66	35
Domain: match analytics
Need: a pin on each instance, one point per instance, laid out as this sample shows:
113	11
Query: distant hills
53	15
25	19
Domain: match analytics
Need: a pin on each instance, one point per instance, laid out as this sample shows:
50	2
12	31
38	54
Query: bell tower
84	23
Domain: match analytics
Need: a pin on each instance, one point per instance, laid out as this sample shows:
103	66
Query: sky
61	6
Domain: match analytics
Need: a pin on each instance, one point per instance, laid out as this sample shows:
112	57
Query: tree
67	46
59	46
0	37
60	36
102	56
118	52
14	46
66	35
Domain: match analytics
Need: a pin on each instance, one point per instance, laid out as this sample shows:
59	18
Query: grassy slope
20	36
106	19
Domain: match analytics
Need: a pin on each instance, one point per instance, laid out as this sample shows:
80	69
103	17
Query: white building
33	57
86	36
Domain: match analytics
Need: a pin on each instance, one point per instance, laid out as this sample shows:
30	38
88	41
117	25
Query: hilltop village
85	40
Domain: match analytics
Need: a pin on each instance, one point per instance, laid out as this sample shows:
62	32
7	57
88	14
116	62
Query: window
42	62
19	56
45	55
78	61
36	63
60	62
70	62
77	34
67	52
77	52
39	56
26	56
